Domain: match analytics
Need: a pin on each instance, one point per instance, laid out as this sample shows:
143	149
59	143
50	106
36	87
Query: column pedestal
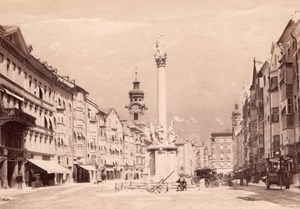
163	162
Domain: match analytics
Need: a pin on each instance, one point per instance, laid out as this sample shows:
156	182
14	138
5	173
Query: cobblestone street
103	196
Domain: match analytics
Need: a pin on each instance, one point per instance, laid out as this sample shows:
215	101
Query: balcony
287	121
13	114
286	91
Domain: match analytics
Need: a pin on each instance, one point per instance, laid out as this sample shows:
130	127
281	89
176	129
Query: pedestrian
241	176
19	180
184	184
248	177
27	178
179	187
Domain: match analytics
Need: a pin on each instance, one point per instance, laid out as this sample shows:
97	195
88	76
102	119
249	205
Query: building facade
28	137
272	110
221	149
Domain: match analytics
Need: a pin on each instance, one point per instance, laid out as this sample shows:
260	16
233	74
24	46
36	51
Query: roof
20	43
236	112
135	92
106	111
180	141
290	26
253	75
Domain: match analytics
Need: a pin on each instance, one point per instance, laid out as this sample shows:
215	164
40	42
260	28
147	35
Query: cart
209	176
279	172
158	186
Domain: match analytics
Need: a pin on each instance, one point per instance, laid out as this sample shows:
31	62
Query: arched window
135	116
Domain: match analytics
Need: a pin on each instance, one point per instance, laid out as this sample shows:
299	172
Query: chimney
66	77
29	47
236	106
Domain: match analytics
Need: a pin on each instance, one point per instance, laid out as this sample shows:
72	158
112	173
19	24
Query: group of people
181	184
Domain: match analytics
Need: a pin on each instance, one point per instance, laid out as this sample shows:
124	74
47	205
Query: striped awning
49	166
87	167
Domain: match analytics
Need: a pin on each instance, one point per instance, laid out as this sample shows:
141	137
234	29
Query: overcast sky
210	47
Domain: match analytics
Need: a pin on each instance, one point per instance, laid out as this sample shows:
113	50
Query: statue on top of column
160	55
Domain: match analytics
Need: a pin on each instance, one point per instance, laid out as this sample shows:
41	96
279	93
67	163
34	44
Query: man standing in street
19	180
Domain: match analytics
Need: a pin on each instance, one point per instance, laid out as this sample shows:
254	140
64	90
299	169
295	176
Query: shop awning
49	166
88	167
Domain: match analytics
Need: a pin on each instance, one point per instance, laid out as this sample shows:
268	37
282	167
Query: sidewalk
293	188
9	193
14	191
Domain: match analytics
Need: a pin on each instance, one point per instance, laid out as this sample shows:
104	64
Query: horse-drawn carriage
279	171
208	176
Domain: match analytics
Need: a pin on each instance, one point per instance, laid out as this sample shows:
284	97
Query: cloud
219	121
193	120
178	119
189	120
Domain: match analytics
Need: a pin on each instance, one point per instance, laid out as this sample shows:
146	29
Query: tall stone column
162	153
160	59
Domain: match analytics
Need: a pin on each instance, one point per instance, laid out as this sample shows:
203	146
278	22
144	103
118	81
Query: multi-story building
139	154
92	135
272	104
128	152
287	143
63	124
113	144
256	118
102	145
27	121
221	149
83	172
276	88
237	138
199	155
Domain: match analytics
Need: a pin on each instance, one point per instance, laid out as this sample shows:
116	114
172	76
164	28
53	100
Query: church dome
137	92
236	112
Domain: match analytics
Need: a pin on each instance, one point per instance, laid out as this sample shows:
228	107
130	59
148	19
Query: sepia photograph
143	104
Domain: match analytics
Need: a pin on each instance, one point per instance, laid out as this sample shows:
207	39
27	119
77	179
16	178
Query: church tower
136	106
236	120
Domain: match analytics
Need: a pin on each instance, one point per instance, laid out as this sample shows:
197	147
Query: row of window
288	109
39	90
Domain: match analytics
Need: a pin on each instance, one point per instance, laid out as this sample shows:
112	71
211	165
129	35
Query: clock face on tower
135	108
